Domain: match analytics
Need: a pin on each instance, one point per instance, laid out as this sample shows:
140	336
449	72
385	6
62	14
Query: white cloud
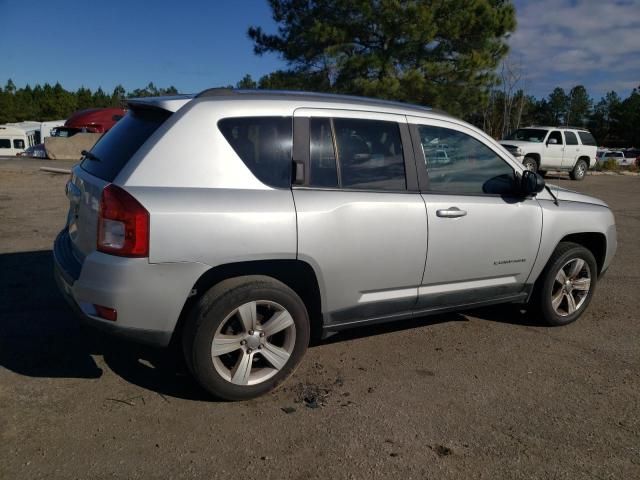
579	40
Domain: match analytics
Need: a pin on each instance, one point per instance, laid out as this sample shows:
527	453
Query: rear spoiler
171	103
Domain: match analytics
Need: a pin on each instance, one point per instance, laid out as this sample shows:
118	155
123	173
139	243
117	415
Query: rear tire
245	336
566	285
530	164
579	170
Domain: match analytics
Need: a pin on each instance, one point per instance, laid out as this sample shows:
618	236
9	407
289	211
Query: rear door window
370	154
264	145
571	138
5	143
118	145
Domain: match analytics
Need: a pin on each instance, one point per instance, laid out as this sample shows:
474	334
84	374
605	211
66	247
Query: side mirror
531	183
552	141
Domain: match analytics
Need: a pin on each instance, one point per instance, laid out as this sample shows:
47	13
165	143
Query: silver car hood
567	195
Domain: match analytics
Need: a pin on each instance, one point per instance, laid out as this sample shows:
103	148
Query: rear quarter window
264	145
587	139
116	147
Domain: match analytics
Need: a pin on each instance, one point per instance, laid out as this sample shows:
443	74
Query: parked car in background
633	153
438	155
290	213
620	157
36	151
553	148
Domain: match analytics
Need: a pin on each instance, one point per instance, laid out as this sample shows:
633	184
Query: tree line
449	54
614	122
54	102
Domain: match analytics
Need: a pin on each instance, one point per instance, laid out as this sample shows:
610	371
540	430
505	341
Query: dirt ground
484	394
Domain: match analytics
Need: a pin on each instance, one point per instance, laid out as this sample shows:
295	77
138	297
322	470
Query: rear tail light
123	224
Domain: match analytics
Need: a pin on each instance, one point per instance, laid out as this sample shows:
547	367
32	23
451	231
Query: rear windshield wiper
89	155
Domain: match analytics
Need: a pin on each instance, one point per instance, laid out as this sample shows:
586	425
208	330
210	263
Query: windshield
528	135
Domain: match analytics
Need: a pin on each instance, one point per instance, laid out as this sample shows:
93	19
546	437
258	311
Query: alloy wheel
571	287
253	343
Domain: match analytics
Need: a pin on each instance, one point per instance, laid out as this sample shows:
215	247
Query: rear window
118	145
5	143
587	138
264	145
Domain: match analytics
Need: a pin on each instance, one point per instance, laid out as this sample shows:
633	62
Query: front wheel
579	170
245	336
567	284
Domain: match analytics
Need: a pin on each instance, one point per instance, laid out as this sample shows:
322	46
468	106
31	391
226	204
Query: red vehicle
93	120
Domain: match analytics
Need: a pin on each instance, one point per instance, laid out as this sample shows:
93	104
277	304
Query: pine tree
440	53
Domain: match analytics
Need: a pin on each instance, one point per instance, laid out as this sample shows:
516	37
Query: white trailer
15	139
46	127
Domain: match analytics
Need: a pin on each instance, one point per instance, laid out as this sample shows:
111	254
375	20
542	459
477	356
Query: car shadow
562	176
556	176
40	336
512	314
389	327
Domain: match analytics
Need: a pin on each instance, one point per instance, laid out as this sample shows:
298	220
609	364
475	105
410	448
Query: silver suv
239	223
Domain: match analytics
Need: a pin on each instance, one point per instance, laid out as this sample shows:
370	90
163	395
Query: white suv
553	148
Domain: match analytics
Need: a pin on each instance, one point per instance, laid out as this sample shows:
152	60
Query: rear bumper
148	297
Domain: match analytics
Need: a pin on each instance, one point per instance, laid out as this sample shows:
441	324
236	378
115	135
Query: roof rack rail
233	92
559	127
217	92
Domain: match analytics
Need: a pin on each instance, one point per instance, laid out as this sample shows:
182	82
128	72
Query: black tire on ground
547	284
530	164
579	170
214	307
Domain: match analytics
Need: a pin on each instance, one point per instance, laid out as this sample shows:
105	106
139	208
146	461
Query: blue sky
197	44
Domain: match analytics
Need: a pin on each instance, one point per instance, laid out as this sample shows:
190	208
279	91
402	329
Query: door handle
451	212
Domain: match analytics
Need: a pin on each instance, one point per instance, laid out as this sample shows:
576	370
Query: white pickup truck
553	148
